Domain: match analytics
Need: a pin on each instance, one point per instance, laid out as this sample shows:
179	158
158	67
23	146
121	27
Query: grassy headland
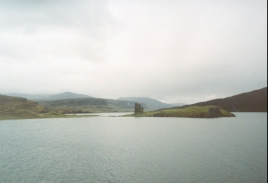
190	112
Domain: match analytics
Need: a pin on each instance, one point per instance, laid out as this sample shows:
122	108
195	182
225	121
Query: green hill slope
254	101
18	108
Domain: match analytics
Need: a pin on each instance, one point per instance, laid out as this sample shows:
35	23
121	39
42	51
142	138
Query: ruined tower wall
138	108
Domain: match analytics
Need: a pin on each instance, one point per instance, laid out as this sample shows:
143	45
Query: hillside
88	105
18	108
189	112
152	104
254	101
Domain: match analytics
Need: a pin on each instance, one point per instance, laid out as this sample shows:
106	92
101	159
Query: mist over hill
60	96
68	95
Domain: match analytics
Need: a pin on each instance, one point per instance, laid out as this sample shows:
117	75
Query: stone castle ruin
138	108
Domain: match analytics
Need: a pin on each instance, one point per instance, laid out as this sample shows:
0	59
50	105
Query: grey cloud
176	51
58	13
89	24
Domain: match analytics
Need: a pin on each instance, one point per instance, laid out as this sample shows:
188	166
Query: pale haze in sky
172	50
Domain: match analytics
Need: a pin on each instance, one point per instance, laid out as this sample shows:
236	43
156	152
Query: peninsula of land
189	112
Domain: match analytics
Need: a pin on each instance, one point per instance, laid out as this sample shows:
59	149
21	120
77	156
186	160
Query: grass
191	112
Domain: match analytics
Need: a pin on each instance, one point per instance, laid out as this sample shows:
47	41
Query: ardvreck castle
138	108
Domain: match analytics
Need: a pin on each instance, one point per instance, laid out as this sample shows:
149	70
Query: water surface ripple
128	149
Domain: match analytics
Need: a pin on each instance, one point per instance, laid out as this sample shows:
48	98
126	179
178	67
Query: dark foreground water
127	149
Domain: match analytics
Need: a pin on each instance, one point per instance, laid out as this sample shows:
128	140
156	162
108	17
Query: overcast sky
171	50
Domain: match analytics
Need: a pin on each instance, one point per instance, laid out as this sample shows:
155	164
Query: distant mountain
177	104
152	104
68	95
29	97
88	105
17	108
60	96
254	101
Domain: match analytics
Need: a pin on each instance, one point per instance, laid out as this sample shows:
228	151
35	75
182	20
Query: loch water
101	149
